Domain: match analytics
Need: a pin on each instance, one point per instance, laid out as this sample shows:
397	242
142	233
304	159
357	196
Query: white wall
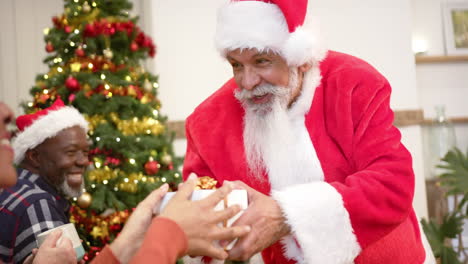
440	83
378	31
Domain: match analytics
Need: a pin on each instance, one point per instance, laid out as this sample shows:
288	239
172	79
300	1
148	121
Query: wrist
121	250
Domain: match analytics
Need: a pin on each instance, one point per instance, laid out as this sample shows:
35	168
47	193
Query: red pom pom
151	167
72	84
49	47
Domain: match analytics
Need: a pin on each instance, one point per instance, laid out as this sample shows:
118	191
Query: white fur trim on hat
262	26
45	127
321	225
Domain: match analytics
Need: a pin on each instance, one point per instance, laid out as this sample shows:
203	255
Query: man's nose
250	79
82	159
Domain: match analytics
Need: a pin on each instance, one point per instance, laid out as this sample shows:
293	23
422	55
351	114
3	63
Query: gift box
238	197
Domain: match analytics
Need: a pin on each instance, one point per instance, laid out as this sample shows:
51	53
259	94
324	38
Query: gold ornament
147	86
86	7
75	67
108	53
166	159
84	201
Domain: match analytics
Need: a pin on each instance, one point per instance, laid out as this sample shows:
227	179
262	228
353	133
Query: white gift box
238	197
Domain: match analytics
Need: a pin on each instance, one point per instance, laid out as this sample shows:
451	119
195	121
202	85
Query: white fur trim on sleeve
45	127
319	222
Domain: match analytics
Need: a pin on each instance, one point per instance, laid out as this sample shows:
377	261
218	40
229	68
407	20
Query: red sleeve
164	242
193	162
105	257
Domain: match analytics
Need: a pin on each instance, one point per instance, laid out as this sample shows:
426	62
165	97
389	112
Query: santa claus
308	132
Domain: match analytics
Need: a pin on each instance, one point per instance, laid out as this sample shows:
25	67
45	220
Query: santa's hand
265	218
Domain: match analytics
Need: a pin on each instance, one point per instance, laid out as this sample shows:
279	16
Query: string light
59	69
72	43
135	181
90	66
97	164
77	31
163	179
126	180
103	77
106	86
155	85
46	31
45	91
116	189
94	4
98	138
105	182
132	161
93	186
128	78
117	139
75	199
46	76
176	175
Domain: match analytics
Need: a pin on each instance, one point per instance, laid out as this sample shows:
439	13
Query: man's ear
305	67
32	157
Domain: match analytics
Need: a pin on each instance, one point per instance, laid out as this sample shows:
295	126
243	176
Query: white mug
68	231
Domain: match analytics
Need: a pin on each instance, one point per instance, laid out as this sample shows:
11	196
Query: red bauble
67	29
72	84
134	46
151	167
80	52
49	47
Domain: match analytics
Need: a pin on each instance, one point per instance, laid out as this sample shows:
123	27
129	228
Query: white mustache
244	95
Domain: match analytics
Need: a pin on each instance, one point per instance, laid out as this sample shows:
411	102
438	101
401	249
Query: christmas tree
95	50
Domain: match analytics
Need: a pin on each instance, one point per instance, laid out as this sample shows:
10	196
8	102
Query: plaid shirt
27	209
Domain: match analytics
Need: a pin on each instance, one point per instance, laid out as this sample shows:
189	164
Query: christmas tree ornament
67	29
80	52
152	167
86	7
108	54
133	46
72	84
85	200
166	159
147	86
49	47
75	67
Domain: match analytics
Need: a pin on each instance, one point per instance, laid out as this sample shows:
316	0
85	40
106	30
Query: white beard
70	192
267	134
275	142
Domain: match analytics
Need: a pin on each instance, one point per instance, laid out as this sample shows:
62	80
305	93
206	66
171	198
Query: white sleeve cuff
319	222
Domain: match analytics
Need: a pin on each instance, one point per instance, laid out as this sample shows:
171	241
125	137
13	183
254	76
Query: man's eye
235	65
262	61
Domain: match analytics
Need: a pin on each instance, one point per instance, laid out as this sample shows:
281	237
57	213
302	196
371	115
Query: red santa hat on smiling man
280	26
47	123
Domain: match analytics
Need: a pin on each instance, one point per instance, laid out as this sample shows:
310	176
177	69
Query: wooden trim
178	127
454	120
421	59
402	118
408	117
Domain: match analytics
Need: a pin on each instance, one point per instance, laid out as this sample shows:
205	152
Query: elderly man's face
63	160
262	77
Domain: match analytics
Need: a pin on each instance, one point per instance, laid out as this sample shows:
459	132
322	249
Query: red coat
361	209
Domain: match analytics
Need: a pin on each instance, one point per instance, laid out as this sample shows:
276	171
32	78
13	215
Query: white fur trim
45	127
262	26
320	223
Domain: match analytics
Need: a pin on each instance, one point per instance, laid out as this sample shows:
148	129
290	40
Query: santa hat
36	128
269	25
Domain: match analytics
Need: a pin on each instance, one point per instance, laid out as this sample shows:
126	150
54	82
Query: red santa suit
350	198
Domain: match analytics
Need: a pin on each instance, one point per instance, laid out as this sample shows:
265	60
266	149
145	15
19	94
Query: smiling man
51	151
